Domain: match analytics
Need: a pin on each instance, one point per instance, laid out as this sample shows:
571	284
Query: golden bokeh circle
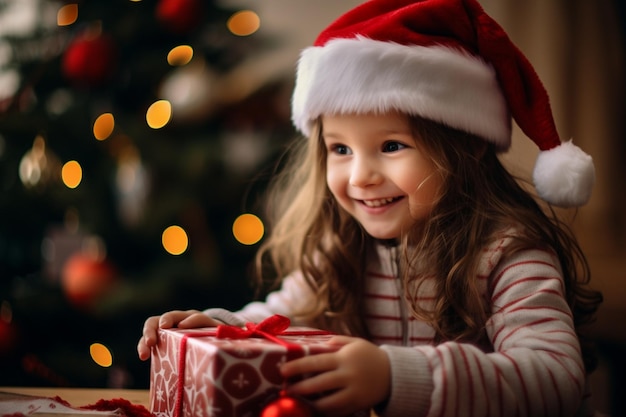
175	240
101	355
248	229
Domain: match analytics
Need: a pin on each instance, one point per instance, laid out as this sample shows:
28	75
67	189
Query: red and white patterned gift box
226	371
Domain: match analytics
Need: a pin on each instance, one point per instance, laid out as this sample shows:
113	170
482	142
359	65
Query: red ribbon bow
268	329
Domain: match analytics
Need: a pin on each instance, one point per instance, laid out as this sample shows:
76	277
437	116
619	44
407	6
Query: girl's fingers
150	330
173	318
323	362
315	364
341	340
197	320
167	321
324	382
143	350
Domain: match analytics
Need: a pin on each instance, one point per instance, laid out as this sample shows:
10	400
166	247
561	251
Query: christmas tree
130	143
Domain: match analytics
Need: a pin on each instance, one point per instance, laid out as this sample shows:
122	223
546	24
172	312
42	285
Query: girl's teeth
378	203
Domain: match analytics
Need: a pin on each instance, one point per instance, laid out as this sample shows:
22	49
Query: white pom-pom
564	175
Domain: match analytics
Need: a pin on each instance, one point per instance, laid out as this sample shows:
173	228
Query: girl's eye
393	146
340	149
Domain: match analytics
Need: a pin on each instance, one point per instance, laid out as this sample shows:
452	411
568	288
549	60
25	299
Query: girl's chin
383	235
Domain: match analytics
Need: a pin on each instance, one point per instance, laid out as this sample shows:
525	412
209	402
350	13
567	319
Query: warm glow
67	14
248	229
180	55
103	126
159	114
244	23
175	240
71	174
101	355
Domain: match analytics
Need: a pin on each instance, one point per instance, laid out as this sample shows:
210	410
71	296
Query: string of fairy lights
39	163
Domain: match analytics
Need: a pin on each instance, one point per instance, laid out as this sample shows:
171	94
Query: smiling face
377	173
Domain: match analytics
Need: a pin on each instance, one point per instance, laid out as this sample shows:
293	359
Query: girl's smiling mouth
380	202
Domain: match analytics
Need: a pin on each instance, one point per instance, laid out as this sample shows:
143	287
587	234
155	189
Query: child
397	227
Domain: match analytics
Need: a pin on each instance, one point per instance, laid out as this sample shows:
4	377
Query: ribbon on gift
269	329
272	325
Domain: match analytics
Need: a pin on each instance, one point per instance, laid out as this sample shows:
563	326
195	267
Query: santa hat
447	61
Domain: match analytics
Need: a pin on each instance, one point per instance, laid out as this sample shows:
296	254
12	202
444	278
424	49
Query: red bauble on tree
179	16
86	280
8	337
90	60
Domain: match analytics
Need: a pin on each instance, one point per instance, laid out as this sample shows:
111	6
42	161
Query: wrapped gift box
225	371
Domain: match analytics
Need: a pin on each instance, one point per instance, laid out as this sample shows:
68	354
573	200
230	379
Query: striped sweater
530	364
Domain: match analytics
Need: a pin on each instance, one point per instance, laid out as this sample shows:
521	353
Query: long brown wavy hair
311	234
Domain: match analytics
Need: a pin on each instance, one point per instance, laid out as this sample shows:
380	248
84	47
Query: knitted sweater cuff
411	382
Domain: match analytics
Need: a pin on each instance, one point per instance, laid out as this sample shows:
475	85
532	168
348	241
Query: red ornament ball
8	337
86	280
286	406
179	16
90	60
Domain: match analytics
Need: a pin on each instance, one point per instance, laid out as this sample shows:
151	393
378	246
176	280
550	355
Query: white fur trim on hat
361	75
564	175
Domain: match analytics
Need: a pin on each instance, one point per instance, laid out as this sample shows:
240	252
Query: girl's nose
364	173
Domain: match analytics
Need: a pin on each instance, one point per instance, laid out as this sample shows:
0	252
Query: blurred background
136	138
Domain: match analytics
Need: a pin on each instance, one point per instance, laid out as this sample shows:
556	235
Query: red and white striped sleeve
535	368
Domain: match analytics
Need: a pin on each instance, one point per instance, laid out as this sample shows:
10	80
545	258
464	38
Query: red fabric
129	409
61	400
464	25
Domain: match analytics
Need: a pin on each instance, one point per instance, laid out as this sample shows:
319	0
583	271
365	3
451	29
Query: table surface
78	397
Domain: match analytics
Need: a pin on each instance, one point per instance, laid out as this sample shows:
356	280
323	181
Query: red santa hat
445	60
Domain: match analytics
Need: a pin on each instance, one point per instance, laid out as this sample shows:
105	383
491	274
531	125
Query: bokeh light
33	162
180	55
159	114
67	14
175	240
71	174
244	23
103	126
101	355
248	229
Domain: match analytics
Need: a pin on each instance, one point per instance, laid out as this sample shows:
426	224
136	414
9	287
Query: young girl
454	290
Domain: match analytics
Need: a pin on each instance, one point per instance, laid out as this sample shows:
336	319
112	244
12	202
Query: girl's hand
356	377
183	319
